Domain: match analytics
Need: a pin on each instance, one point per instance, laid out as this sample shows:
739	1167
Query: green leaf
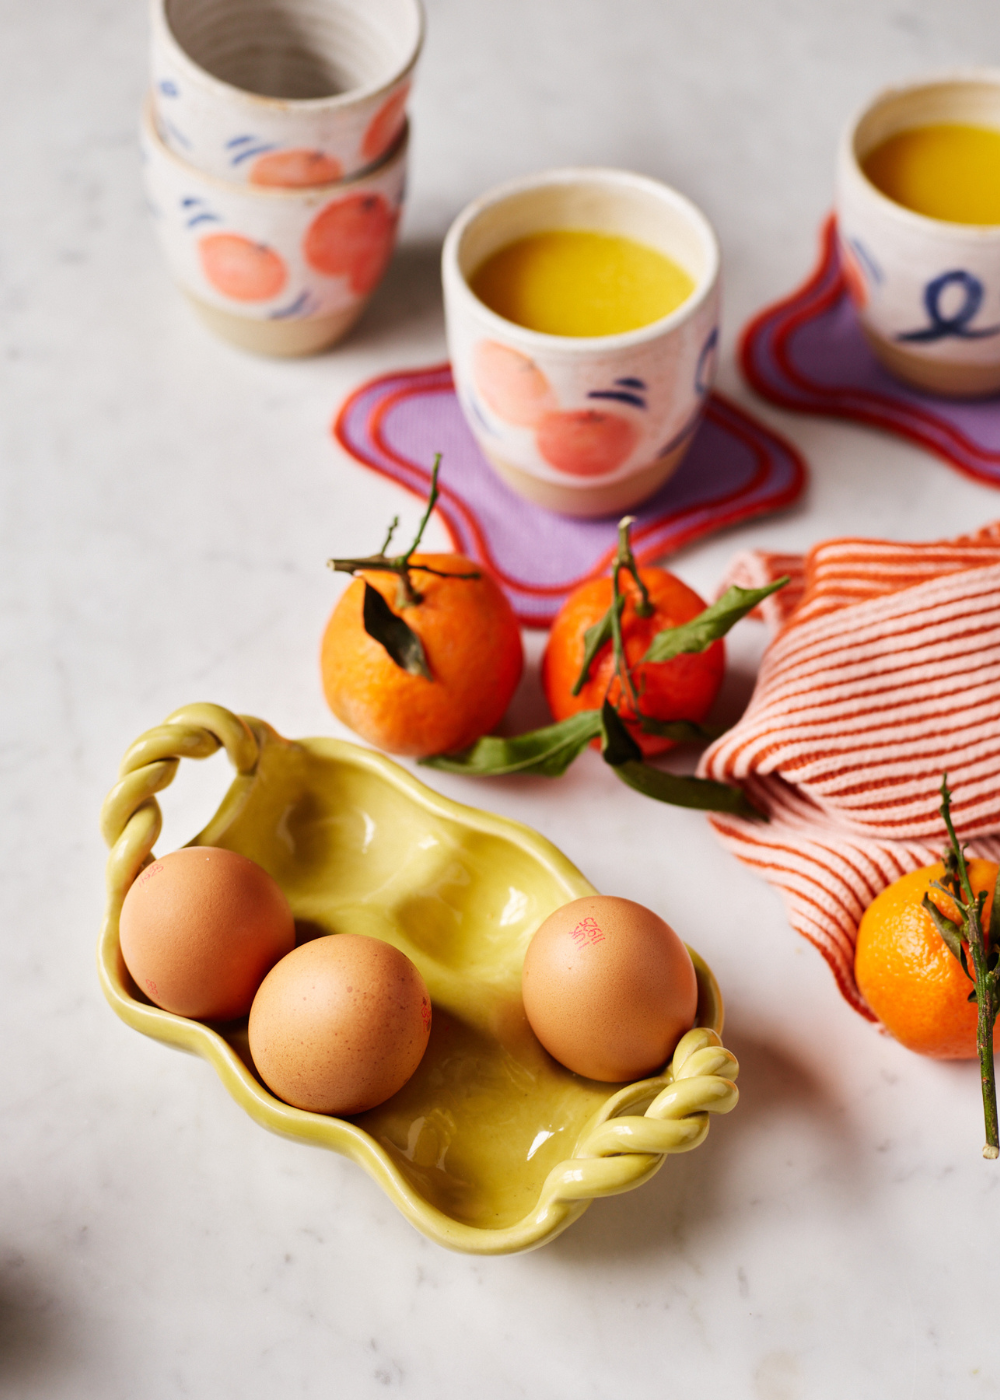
595	637
682	731
709	625
951	876
545	752
953	890
399	640
946	927
992	929
617	744
686	792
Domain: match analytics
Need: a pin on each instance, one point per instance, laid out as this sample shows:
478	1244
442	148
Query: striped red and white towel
884	672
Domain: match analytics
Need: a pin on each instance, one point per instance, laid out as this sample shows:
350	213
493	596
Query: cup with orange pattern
277	269
283	93
583	424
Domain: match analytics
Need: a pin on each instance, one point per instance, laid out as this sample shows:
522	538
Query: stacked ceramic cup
274	142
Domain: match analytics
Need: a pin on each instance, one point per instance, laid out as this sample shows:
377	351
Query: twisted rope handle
616	1154
130	817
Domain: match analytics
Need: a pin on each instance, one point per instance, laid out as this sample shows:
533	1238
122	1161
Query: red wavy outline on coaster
452	508
767	338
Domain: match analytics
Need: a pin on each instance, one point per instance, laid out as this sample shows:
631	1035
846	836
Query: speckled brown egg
201	928
609	988
340	1024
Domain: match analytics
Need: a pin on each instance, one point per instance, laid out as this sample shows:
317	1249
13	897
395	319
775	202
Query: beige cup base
939	376
285	338
587	502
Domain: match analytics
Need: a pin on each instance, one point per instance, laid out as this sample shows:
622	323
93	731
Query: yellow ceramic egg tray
492	1147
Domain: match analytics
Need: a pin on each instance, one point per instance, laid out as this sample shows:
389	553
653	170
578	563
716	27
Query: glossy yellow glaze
577	283
948	171
491	1147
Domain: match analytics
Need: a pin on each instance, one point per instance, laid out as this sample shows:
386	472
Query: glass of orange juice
918	217
582	309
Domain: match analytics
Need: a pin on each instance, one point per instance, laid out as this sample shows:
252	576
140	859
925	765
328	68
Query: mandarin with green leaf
905	971
680	689
471	643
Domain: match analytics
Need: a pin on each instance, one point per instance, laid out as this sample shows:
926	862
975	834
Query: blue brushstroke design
169	88
702	376
203	218
619	394
957	326
296	308
240	141
252	151
190	200
866	260
178	136
473	403
629	382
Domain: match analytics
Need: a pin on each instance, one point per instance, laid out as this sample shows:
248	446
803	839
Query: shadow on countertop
409	297
34	1348
730	1177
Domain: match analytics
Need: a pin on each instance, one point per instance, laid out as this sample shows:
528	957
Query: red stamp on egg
587	931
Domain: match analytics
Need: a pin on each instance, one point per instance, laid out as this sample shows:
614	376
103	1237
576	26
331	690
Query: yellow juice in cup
948	171
574	282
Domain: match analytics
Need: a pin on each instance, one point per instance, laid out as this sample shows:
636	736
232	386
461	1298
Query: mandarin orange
907	975
680	689
239	268
353	238
385	125
472	644
295	169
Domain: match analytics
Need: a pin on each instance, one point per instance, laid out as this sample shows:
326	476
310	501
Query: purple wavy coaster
736	468
808	353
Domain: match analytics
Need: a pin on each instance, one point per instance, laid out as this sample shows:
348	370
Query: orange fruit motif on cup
240	268
472	643
682	688
586	442
907	975
352	238
385	125
511	384
295	169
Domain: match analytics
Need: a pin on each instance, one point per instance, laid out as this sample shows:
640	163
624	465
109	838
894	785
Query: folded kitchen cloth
883	673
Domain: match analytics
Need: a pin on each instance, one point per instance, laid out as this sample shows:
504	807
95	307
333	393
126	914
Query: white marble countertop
168	507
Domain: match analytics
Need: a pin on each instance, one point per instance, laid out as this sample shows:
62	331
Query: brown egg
608	988
201	928
340	1024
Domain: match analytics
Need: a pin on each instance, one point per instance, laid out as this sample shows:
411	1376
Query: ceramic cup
278	271
927	292
591	425
283	92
